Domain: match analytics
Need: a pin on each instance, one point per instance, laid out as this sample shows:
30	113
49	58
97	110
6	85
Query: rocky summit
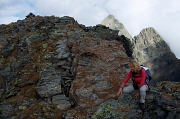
55	68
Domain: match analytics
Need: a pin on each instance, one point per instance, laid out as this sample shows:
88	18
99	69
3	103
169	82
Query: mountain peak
110	16
149	30
149	45
151	50
111	22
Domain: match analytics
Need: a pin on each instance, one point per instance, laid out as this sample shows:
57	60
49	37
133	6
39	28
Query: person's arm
124	82
120	89
127	78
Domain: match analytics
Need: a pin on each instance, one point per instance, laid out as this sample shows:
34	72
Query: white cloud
136	15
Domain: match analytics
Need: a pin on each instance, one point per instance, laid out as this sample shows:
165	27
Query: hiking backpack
148	73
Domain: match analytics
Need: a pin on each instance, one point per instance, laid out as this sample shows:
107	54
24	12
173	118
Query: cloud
13	10
135	15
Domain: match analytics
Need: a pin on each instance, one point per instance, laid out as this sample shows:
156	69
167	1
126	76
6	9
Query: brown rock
99	72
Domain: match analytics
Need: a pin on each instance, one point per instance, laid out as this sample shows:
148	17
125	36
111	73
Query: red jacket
137	78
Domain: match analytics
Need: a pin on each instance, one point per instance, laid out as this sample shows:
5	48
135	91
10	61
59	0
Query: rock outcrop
50	65
100	68
111	22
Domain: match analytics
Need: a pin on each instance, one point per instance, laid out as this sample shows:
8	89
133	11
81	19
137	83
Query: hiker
138	75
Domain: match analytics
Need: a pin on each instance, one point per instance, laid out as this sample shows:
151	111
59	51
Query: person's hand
119	92
137	95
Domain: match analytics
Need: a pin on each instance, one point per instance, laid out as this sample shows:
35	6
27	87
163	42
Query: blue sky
135	15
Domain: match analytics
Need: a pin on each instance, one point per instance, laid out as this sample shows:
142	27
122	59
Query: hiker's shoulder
143	70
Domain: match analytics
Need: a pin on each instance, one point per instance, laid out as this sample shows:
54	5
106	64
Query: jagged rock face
151	50
149	45
114	24
100	69
49	64
30	76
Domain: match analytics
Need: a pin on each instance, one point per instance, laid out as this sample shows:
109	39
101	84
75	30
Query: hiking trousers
143	90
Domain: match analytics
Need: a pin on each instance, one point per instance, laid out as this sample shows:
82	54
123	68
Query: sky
135	15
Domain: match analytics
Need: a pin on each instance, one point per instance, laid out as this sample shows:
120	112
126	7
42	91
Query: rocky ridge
55	68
